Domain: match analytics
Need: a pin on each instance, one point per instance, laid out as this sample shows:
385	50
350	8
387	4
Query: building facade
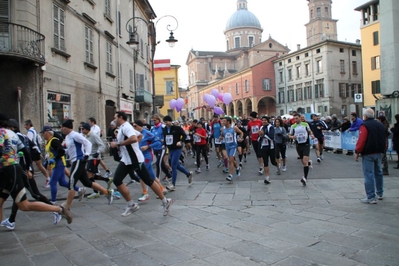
326	76
73	61
244	70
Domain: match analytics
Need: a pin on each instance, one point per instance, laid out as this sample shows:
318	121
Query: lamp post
133	43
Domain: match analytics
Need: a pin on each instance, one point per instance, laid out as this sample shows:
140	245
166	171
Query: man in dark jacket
395	138
371	144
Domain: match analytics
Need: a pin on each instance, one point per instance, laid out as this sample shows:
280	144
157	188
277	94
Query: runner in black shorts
242	146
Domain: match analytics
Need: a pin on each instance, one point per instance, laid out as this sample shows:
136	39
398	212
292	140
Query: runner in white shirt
132	159
97	130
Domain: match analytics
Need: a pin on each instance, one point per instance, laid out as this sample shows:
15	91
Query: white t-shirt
96	130
126	130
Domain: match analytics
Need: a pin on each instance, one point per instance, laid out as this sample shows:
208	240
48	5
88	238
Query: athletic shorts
303	150
231	150
12	183
321	140
92	166
255	146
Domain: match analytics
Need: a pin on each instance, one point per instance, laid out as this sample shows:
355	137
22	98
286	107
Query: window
131	80
326	11
375	62
291	97
58	109
375	38
59	26
169	87
250	41
319	66
307	91
354	68
307	69
318	12
298	71
108	8
246	84
281	76
290	74
297	57
311	13
342	66
320	109
289	60
281	95
227	45
316	91
308	109
266	85
109	57
318	51
341	50
140	81
353	52
89	45
299	93
375	87
319	91
306	54
343	90
237	42
237	92
141	48
4	14
280	63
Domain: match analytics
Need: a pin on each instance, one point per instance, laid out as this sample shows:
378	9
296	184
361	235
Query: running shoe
8	224
130	209
284	168
229	177
166	206
240	164
190	178
130	182
278	170
117	195
144	197
171	187
369	201
109	183
107	173
267	180
225	170
321	156
198	170
81	193
318	160
66	214
47	184
207	167
245	160
220	164
303	181
260	171
310	163
380	197
57	217
110	196
93	195
238	171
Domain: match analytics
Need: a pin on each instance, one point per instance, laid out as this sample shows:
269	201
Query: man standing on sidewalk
371	144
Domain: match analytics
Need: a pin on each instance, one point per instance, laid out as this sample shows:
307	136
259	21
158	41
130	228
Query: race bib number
229	138
315	141
255	129
197	138
169	139
217	141
188	137
301	138
265	142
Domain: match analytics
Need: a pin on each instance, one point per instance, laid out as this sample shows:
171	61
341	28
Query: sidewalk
215	222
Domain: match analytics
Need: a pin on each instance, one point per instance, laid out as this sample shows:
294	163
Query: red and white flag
162	64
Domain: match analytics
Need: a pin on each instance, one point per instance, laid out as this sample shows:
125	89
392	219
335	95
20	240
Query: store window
58	109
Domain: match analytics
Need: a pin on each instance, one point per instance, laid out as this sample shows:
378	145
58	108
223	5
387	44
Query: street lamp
133	43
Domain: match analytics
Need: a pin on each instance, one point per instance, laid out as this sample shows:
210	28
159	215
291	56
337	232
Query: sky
200	24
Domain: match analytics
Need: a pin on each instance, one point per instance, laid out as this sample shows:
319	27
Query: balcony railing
143	96
22	42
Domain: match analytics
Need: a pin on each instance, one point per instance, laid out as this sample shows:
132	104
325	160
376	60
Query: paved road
215	222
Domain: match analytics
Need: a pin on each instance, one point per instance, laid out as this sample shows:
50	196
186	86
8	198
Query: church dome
242	17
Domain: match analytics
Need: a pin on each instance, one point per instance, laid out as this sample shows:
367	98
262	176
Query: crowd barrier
347	140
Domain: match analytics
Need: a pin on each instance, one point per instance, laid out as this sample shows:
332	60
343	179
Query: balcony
20	42
143	96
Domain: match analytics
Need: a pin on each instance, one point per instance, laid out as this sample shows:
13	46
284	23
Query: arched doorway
231	109
239	108
267	106
249	106
110	111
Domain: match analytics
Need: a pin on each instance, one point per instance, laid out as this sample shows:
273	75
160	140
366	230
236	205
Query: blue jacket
356	125
158	133
148	140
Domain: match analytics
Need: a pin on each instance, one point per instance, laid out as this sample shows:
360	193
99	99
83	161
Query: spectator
355	126
395	138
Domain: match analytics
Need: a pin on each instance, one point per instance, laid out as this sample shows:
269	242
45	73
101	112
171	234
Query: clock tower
321	26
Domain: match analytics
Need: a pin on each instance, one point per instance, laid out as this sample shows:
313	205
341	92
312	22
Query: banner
332	139
349	140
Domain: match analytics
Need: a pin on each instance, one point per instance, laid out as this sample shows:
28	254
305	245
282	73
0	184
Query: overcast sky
201	24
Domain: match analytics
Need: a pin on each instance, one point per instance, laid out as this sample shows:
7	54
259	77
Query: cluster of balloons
178	104
215	95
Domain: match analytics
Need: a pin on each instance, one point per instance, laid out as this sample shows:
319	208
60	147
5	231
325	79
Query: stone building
326	76
72	60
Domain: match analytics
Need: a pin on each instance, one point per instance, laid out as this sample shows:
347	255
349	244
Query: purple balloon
220	97
211	100
179	103
215	93
205	97
218	111
172	104
178	109
227	98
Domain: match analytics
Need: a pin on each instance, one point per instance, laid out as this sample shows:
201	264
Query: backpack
27	142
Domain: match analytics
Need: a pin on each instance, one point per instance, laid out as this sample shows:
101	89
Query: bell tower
321	26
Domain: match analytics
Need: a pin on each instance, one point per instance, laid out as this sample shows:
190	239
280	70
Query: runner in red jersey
253	129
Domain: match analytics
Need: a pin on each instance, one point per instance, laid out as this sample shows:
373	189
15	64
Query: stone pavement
215	222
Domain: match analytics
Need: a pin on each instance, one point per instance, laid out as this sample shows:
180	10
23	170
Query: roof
369	3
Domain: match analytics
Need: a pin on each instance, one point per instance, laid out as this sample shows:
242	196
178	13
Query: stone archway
267	106
249	107
230	109
239	108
